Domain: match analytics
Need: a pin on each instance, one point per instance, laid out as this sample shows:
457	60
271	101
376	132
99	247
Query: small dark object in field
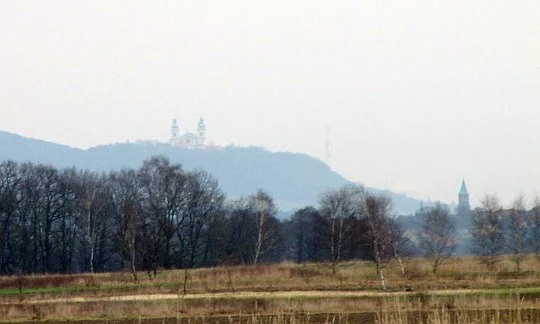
408	288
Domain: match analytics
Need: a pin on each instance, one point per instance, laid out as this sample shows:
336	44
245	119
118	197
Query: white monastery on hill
188	140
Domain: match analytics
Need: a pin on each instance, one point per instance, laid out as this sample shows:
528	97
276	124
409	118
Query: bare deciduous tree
240	232
399	243
534	228
376	212
336	206
437	235
9	204
265	211
302	234
162	186
487	231
126	196
67	235
90	194
203	200
517	231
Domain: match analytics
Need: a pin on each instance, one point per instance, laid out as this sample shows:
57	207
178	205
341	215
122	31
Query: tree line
158	216
489	231
161	216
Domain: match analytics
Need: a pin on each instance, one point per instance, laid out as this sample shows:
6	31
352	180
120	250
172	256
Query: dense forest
160	216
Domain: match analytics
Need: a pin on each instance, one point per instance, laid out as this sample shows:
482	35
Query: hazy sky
417	94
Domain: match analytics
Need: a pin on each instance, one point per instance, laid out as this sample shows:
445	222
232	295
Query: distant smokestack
327	145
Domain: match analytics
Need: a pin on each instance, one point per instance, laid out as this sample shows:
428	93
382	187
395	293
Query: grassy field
462	291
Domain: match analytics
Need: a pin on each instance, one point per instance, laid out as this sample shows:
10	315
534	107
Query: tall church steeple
464	206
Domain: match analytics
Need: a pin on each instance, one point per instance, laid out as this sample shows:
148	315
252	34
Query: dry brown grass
46	281
388	309
312	290
462	272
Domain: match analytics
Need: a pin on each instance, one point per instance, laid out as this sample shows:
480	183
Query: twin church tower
188	140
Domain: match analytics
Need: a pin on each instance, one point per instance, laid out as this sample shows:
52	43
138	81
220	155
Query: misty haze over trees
294	179
161	216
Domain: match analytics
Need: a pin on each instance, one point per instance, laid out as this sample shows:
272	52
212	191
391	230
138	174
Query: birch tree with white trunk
264	210
336	206
376	212
89	193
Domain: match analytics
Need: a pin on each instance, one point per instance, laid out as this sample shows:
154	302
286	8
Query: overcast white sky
417	94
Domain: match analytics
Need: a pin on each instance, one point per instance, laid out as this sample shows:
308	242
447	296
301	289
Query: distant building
188	140
464	206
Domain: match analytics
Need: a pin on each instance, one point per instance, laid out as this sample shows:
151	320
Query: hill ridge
294	180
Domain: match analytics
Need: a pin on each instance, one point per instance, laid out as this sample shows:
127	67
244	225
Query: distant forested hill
294	180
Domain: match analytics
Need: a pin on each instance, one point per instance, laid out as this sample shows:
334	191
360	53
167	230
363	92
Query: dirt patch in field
263	295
